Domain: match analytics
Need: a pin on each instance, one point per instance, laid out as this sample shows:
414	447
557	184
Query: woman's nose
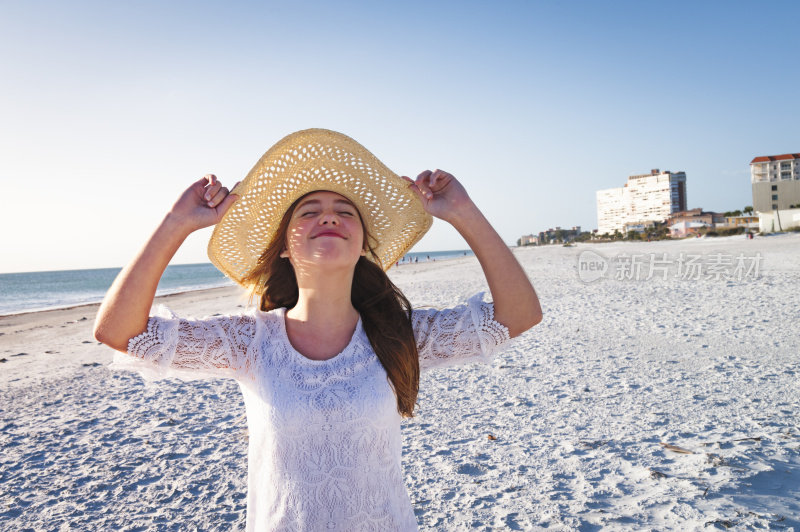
329	218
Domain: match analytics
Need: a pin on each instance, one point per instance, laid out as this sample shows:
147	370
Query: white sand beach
662	403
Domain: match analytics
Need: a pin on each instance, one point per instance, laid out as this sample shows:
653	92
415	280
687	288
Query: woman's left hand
441	194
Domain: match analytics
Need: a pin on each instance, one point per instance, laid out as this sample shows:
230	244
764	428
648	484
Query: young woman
329	360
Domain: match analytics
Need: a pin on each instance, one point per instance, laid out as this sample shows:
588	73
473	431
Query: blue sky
109	111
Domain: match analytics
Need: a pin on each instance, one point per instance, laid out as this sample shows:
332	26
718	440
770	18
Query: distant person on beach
329	360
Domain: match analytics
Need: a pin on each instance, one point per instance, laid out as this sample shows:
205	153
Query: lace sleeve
460	335
217	346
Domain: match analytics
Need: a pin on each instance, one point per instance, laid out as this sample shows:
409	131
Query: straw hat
307	161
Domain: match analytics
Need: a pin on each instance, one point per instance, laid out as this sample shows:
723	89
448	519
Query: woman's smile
329	232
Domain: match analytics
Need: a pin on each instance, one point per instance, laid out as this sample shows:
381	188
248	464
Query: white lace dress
325	446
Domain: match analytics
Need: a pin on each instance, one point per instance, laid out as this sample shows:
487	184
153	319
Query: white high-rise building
644	198
612	206
776	182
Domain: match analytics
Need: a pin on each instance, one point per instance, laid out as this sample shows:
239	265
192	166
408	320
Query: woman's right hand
203	204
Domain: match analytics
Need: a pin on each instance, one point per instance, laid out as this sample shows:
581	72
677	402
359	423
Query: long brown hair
385	311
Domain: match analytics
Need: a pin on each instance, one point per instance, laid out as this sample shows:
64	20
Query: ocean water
425	256
33	291
28	292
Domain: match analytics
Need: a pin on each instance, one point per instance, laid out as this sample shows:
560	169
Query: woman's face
325	229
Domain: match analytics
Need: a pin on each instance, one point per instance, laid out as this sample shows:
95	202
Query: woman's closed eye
310	213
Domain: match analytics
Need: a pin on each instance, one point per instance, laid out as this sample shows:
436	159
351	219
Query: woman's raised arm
515	302
125	309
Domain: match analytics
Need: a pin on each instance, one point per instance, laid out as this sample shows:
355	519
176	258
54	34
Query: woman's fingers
216	193
205	180
439	179
434	178
413	186
423	183
212	191
217	197
430	182
223	197
226	203
209	180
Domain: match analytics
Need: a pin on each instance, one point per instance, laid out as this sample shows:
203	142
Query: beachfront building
644	198
748	222
710	219
778	220
528	240
685	228
612	210
685	223
638	227
551	236
776	182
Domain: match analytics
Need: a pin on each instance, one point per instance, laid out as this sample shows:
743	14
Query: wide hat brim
307	161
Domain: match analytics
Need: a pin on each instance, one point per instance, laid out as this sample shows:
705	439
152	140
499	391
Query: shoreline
45	345
72	306
98	303
11	324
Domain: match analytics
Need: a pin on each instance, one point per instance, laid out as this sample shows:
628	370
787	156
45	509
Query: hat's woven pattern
303	162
